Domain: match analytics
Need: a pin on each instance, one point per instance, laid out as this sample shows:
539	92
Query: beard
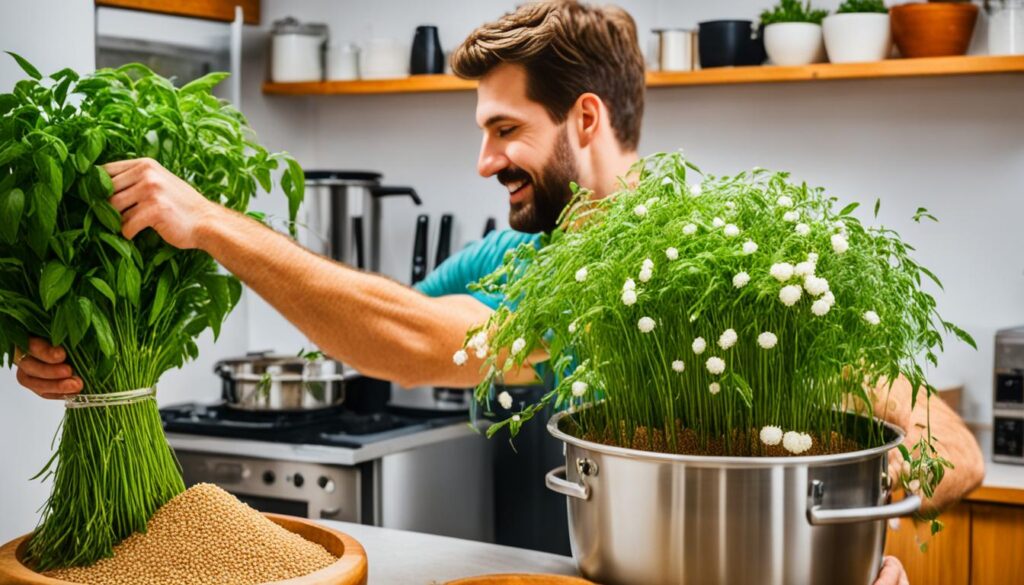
551	192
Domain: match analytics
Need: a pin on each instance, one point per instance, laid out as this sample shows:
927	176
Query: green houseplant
126	311
858	32
792	33
716	343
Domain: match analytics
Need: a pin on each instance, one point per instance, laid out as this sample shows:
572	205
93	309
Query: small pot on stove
266	382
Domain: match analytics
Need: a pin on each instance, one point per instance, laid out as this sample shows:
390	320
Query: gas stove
331	427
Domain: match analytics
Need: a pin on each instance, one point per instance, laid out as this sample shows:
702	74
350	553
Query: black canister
427	56
726	43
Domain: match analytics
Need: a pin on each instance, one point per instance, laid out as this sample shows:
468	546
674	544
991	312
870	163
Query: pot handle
556	482
818	516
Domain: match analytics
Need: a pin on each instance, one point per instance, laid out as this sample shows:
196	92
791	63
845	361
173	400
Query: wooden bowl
521	579
349	569
935	29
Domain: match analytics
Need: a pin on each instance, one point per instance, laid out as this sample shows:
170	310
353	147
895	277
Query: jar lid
291	26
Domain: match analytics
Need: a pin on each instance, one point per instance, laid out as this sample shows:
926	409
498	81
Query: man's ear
589	111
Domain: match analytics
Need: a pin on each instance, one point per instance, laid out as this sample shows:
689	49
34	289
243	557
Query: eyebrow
497	119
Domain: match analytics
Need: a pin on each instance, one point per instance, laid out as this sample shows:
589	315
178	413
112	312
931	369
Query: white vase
794	43
854	37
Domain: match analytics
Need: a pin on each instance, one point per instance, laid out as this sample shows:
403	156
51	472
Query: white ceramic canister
674	49
343	62
297	51
1006	27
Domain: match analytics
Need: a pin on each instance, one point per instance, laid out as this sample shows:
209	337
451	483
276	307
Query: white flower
802	229
785	201
715	365
666	181
652	201
749	247
815	285
839	244
516	418
645	324
730	205
478	340
629	297
767	340
790	216
579	388
840	225
645	274
460	357
914	486
829	298
678	365
695	190
740	280
581	274
699	345
790	294
518	345
771	435
630	284
572	327
689	229
731	231
782	271
803	269
796	443
820	307
640	210
715	388
872	318
505	400
647	263
812	258
481	352
718	222
727	339
671	253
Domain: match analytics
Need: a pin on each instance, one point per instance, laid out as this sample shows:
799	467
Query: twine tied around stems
111	399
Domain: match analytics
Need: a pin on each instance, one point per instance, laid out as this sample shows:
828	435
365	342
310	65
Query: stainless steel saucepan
268	382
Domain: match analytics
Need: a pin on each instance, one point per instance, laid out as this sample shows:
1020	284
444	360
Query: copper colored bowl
934	29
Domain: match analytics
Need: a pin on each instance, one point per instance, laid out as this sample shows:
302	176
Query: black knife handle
444	240
419	250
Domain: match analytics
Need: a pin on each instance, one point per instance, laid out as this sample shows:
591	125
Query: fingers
118	167
126	199
43	351
892	573
50	389
43	370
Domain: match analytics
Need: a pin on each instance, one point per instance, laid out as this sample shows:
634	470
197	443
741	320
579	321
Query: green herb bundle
126	311
793	11
737	309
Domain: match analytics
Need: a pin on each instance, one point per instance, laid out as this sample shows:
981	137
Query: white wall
950	144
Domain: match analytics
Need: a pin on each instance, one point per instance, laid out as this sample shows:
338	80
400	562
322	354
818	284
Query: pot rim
726	461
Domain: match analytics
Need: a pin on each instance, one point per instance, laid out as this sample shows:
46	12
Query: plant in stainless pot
792	33
717	343
858	31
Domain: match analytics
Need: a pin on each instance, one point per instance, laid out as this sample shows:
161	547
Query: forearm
381	328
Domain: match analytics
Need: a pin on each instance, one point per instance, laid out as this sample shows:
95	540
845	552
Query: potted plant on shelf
858	31
792	33
717	345
126	311
933	29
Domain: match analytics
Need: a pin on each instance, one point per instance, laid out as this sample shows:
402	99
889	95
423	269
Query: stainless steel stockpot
658	519
271	383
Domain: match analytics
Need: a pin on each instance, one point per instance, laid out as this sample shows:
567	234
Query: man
560	99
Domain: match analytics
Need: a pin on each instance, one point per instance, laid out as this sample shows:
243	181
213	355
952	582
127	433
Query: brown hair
567	49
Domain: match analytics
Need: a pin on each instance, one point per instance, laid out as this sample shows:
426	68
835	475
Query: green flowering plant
743	315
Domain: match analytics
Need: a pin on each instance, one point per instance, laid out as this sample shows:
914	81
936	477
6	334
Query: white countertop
400	557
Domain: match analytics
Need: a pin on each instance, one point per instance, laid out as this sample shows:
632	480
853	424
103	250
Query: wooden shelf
928	67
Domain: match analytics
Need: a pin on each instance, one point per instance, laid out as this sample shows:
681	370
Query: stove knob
298	480
326	484
269	477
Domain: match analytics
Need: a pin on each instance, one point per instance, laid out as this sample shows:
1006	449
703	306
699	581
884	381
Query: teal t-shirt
474	262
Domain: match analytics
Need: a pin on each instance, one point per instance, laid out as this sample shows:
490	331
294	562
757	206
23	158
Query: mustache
511	175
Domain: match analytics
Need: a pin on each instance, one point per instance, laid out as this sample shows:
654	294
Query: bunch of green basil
126	311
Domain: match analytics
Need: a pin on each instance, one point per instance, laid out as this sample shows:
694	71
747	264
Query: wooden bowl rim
352	562
544	579
935	7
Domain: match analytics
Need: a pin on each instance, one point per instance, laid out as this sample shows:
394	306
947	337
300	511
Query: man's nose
492	160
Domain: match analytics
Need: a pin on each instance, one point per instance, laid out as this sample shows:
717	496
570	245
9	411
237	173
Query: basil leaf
25	65
54	283
12	203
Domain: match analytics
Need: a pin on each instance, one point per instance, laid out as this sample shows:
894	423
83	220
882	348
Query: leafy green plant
745	312
862	6
126	311
793	11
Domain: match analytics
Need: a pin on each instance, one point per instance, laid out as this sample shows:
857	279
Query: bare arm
953	439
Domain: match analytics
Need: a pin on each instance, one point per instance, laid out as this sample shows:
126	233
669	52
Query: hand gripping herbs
126	311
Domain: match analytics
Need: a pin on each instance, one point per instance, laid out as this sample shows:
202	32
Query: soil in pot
205	536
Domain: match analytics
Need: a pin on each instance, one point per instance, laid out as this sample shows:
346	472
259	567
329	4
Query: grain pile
204	536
